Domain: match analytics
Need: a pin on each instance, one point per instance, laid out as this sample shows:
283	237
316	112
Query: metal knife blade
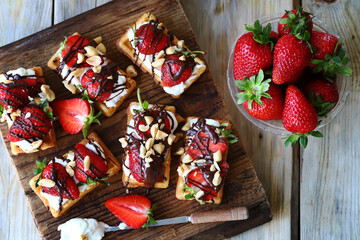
168	221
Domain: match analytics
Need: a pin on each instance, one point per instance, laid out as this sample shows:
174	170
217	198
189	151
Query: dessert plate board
202	99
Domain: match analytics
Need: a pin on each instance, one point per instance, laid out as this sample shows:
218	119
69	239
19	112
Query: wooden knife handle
232	214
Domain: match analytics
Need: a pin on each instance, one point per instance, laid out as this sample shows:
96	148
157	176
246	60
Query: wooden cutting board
202	99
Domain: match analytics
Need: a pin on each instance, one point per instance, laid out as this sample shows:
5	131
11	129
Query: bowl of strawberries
289	75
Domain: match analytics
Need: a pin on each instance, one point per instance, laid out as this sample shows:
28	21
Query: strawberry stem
62	46
150	215
41	166
89	120
261	35
144	105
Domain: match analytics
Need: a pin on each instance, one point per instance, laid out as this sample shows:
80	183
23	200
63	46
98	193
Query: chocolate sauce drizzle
155	170
188	63
195	141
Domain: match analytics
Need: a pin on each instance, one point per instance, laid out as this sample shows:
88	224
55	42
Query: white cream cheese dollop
21	72
77	228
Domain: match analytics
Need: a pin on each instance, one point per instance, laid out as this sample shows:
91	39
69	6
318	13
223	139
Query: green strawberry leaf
144	105
226	133
62	46
260	34
136	39
41	166
301	137
1	110
190	53
322	108
150	215
89	120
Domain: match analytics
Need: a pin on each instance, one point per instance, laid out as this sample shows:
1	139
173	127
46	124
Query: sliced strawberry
151	39
198	148
134	210
13	95
65	184
32	126
98	166
196	180
74	44
135	164
75	115
99	87
175	71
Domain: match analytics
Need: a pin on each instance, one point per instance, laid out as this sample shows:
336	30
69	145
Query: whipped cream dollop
78	228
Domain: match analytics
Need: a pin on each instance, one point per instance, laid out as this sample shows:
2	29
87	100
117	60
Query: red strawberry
75	115
99	87
203	143
98	166
322	94
29	127
175	71
253	51
295	20
13	95
291	56
135	164
74	44
68	190
32	84
196	180
269	100
134	210
324	43
151	39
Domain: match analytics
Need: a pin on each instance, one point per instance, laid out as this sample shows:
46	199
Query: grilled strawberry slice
75	115
99	87
13	95
199	146
74	44
175	71
65	185
98	166
32	123
196	180
134	210
151	39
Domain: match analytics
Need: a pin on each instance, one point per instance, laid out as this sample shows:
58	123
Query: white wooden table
314	193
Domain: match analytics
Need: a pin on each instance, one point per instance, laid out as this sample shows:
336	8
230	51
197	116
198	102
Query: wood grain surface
242	187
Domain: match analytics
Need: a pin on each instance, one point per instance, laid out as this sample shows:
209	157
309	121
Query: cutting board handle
232	214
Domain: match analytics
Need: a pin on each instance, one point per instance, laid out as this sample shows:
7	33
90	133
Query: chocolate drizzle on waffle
150	172
198	138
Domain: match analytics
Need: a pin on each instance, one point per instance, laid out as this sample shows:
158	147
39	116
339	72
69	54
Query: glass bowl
275	126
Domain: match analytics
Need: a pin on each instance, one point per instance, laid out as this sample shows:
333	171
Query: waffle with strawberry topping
24	105
203	167
157	51
64	180
84	67
147	144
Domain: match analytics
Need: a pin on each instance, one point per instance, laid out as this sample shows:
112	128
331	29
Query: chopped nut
27	115
161	135
149	160
98	39
46	183
15	114
142	151
217	156
101	47
110	77
97	69
77	73
81	58
149	120
186	127
94	61
180	44
160	55
217	179
199	194
91	51
182	58
180	171
149	153
159	148
170	50
198	60
149	143
143	128
37	143
3	79
179	151
171	139
212	168
86	163
9	110
50	95
70	87
201	161
69	170
154	129
187	159
161	25
72	163
186	167
147	164
123	142
131	71
217	166
158	63
84	237
162	126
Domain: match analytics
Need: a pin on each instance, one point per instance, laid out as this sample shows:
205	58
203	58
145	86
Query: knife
232	214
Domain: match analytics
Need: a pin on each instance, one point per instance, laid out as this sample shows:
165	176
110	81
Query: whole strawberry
253	51
291	56
299	117
269	101
295	21
324	43
322	94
